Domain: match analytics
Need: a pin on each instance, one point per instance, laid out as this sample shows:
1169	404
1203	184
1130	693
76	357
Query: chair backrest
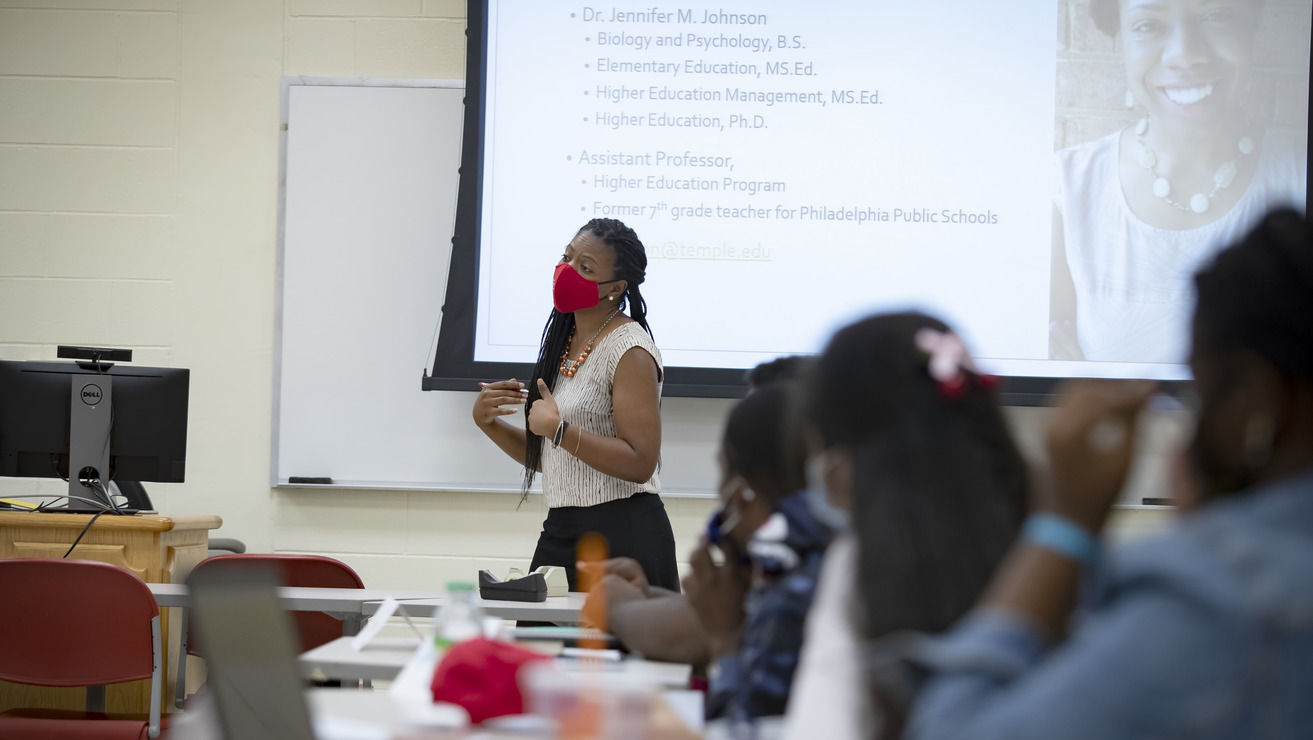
74	623
135	493
319	571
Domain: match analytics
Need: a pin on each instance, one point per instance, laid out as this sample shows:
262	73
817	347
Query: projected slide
792	166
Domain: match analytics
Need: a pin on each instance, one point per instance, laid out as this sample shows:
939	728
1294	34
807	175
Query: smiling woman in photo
1138	210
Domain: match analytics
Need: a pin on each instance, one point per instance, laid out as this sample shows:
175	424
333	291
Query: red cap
480	675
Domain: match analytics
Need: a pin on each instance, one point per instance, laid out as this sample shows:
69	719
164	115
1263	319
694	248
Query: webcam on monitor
101	358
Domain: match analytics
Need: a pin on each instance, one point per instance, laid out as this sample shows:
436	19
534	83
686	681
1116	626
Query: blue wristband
1062	536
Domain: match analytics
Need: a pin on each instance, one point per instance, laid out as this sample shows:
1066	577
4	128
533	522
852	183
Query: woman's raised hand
496	400
544	415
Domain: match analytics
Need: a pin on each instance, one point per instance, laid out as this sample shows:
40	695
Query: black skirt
636	527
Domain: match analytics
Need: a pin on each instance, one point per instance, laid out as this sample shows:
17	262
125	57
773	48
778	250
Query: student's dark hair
1106	14
760	440
1257	295
630	266
939	488
788	367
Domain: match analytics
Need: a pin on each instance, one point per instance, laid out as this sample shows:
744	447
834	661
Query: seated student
753	602
655	622
1207	630
910	439
745	613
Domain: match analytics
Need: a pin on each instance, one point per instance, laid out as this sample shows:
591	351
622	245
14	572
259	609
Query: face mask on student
724	520
818	501
767	545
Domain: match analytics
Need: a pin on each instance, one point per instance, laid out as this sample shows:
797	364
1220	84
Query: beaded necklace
1162	188
570	367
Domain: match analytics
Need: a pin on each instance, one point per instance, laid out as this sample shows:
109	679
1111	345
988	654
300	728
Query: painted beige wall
138	207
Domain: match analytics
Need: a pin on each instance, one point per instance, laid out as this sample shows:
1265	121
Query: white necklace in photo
1198	203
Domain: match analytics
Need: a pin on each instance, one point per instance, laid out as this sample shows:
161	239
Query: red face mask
573	292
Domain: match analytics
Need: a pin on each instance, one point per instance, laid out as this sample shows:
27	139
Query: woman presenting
1139	210
594	427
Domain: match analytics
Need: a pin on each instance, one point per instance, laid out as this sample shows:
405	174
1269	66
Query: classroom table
353	604
353	713
384	657
342	603
349	713
558	609
380	660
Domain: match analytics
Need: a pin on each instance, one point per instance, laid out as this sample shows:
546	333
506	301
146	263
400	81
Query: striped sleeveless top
585	401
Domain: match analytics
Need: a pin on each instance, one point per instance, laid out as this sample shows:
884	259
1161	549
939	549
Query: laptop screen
250	651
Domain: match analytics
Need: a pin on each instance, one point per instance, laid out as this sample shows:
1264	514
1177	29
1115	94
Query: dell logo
91	394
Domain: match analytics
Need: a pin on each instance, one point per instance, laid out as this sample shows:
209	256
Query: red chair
77	623
314	628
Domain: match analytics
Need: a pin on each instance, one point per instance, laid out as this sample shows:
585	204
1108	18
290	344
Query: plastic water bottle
459	618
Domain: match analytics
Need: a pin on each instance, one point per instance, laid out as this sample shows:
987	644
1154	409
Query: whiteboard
368	202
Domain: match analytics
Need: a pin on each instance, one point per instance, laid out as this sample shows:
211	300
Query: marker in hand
498	399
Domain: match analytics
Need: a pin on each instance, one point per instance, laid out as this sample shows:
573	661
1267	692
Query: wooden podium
159	549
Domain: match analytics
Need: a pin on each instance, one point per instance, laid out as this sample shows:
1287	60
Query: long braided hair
630	266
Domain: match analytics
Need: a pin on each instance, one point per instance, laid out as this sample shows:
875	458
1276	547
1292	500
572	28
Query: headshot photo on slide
1179	123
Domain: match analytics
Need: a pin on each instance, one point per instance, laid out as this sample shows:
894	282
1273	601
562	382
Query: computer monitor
130	423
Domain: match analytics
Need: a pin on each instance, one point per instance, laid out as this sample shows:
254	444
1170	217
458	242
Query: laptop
249	645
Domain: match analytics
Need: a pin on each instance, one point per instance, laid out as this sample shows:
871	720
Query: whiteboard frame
284	94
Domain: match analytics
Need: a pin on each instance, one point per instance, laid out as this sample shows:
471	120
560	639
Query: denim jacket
1204	632
786	557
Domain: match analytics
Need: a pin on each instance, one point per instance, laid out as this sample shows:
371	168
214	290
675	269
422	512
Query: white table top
380	660
341	714
559	609
300	598
384	658
351	713
365	601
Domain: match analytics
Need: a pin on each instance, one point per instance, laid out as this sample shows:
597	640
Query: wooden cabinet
159	549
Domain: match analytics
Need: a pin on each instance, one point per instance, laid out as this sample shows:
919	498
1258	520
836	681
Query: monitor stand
90	418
